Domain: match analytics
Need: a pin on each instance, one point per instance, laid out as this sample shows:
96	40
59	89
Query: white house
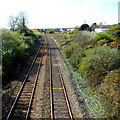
101	30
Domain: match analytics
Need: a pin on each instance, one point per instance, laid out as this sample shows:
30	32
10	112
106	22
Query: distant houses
102	29
62	30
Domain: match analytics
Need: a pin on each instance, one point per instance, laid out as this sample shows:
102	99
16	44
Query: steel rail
65	93
51	86
64	89
24	81
33	91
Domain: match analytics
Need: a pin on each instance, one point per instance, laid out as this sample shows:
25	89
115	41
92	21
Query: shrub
65	36
101	42
113	44
109	92
69	50
103	36
7	61
98	62
114	32
113	29
89	46
84	38
75	58
13	51
28	40
51	31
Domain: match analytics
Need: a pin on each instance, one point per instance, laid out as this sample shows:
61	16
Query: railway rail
60	105
23	101
59	102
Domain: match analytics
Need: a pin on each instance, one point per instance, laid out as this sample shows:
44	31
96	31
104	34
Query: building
102	29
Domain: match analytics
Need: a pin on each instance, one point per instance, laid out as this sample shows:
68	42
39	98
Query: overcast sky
60	13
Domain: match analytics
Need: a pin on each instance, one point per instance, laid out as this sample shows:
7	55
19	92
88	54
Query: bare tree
13	22
22	20
18	22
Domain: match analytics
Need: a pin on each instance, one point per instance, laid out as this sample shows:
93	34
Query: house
102	29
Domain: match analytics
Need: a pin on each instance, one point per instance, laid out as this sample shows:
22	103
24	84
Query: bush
114	44
97	63
88	46
103	36
109	92
84	38
69	50
50	31
114	32
36	32
75	58
7	61
13	51
101	42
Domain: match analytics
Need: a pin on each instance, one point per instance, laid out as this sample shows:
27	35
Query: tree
84	27
93	26
22	21
18	22
13	22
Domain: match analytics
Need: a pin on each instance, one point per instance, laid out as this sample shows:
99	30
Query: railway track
21	107
60	106
56	104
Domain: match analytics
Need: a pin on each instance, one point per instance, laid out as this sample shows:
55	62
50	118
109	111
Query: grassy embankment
94	61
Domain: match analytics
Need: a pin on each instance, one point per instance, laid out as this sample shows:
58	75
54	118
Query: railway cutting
46	91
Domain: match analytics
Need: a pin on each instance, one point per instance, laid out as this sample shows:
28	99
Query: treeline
17	45
96	57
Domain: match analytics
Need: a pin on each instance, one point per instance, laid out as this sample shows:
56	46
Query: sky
60	13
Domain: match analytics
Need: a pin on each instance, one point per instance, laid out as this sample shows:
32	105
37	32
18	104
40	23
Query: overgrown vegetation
96	57
17	45
98	62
